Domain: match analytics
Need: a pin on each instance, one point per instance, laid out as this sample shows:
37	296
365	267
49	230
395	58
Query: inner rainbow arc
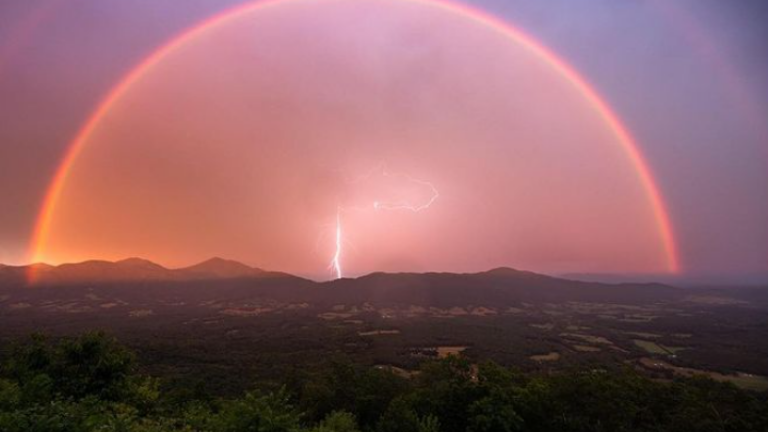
491	23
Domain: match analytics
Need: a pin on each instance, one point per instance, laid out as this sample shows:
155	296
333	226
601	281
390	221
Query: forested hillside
91	383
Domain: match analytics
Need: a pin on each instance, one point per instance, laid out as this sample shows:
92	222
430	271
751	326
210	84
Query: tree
93	364
364	391
496	410
401	417
257	413
446	389
337	421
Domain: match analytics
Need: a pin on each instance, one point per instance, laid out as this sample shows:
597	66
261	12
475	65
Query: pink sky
245	143
688	82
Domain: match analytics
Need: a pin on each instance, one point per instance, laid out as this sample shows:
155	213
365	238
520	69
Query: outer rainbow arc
491	23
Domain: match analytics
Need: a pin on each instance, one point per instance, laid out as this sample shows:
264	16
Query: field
213	344
230	335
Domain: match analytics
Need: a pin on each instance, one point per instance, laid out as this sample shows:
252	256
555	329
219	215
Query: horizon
682	281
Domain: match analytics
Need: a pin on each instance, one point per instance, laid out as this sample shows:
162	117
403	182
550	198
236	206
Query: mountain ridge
135	268
218	279
128	270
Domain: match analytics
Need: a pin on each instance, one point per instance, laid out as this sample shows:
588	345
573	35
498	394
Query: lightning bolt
335	265
378	205
336	261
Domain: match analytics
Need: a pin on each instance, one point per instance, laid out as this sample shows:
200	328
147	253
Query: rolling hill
221	279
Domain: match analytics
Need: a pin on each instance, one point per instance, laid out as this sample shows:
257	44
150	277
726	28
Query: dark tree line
90	383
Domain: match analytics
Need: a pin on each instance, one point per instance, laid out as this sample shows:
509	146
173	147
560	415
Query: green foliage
429	423
399	417
361	390
10	395
446	389
90	365
89	384
499	398
337	421
257	413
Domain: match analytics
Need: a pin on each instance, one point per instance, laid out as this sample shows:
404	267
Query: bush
337	421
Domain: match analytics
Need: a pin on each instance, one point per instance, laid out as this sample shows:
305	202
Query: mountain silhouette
219	268
223	279
127	270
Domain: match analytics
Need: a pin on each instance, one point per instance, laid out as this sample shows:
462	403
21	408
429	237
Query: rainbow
493	24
